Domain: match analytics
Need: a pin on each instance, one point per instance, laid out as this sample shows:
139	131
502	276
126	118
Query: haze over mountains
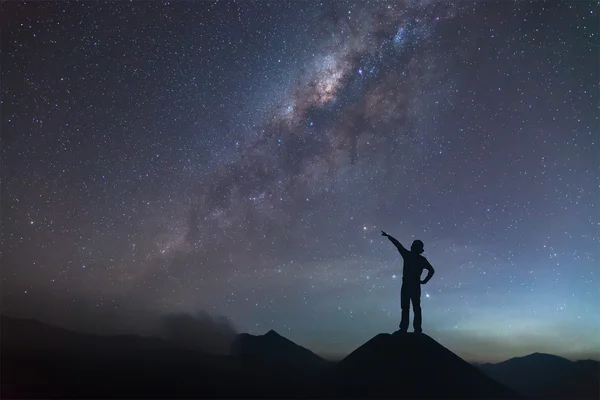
47	361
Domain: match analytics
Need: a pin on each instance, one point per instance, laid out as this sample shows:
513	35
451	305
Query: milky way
241	158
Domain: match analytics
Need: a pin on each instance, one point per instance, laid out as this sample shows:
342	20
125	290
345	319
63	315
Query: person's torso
414	264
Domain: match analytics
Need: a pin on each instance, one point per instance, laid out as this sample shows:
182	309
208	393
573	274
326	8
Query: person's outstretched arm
430	272
396	243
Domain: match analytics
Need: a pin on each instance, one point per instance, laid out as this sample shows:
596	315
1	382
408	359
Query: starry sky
236	161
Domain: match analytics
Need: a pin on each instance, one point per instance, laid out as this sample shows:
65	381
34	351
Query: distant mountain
410	366
33	337
548	376
291	369
275	351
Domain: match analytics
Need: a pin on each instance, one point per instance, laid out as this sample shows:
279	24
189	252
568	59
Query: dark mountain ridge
273	349
546	376
48	361
51	362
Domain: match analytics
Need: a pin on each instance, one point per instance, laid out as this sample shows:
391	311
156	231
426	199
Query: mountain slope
410	366
50	362
275	350
290	368
548	376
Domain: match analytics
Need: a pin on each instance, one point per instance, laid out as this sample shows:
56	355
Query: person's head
417	246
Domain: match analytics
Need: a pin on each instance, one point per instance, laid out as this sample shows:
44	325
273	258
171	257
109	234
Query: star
221	167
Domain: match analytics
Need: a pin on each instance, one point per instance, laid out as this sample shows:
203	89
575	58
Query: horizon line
328	356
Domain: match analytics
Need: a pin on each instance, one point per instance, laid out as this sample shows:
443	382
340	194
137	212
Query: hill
546	376
272	350
291	369
410	366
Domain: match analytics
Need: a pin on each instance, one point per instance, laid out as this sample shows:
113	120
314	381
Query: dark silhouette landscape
40	360
546	376
299	199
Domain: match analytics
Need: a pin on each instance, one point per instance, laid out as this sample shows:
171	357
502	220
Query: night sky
239	159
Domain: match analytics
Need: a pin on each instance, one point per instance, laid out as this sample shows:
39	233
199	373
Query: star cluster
241	158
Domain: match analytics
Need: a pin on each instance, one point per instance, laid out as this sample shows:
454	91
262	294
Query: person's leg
405	306
416	303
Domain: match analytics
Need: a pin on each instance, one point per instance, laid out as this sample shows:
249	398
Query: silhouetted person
414	264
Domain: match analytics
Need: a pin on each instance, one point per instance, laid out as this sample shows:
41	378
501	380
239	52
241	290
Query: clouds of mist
199	331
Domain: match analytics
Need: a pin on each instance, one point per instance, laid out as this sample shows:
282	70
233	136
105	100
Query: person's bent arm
430	272
396	243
